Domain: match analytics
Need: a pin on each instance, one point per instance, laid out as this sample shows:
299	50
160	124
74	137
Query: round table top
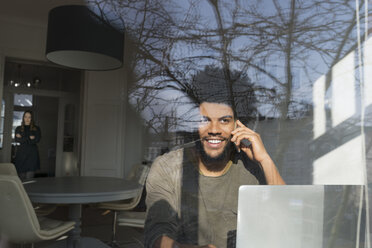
80	190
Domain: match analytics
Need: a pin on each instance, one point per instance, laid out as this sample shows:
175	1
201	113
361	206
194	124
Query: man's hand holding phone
255	150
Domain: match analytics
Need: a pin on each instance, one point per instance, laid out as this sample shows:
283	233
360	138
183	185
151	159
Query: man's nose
214	129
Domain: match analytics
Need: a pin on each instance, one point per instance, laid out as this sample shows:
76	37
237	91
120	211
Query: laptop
286	216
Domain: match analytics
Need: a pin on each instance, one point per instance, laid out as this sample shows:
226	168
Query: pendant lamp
79	38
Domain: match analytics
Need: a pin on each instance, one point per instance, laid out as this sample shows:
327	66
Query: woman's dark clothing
27	155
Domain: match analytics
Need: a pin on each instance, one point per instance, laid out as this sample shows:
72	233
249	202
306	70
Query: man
192	193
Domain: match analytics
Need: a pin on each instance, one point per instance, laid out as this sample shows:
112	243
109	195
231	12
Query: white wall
22	39
341	150
134	139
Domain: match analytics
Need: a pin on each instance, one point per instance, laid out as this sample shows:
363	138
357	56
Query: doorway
53	97
45	111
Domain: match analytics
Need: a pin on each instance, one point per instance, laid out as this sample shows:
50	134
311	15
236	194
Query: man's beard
214	163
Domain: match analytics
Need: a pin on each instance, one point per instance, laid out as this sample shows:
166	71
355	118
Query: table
76	191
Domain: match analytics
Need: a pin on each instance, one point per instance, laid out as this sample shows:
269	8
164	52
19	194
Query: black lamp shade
78	38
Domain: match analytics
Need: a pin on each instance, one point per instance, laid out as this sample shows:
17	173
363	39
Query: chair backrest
139	174
8	169
18	221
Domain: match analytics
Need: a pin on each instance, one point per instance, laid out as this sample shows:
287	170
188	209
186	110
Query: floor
97	225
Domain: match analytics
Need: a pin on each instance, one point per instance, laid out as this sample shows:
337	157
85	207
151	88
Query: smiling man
192	193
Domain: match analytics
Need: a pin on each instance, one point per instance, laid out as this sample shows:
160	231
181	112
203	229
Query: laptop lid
280	216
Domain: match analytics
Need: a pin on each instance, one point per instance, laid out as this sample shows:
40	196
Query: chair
40	209
135	219
18	221
8	169
131	219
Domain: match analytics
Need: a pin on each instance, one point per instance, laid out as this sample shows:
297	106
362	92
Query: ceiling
32	11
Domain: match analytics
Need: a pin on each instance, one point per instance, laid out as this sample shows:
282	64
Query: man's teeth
214	141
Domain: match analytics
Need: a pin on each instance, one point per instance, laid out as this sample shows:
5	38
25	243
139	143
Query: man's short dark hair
212	85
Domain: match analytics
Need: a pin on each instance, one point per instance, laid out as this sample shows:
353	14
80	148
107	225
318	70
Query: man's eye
204	120
225	121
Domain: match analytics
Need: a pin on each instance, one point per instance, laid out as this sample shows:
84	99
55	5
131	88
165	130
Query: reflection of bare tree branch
341	47
268	73
174	43
288	57
224	49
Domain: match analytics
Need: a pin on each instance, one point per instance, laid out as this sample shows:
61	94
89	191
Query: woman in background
27	159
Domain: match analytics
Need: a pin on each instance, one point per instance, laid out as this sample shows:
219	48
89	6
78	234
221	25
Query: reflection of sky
188	41
184	111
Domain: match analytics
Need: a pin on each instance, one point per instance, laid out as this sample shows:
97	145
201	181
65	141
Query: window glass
17	121
294	71
299	73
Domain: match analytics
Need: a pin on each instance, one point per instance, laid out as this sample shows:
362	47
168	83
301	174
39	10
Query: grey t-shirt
192	208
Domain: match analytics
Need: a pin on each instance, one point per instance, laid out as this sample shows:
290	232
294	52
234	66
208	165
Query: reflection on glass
319	107
296	72
368	76
269	53
343	89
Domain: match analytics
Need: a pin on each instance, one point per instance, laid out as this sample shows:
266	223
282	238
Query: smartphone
244	142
